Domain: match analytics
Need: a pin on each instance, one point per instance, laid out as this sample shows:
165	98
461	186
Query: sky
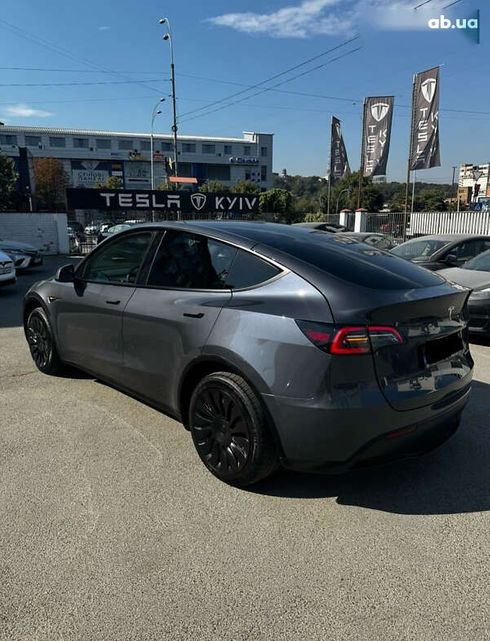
104	65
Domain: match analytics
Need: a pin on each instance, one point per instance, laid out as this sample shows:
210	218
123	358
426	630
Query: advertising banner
376	134
424	146
339	164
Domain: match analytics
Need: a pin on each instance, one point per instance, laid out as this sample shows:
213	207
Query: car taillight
350	340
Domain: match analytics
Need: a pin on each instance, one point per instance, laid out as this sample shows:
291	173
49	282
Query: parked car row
16	255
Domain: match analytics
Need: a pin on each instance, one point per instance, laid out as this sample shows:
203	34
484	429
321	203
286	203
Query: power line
274	77
76	84
304	73
22	33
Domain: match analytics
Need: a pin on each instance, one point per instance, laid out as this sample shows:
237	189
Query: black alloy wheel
229	430
41	343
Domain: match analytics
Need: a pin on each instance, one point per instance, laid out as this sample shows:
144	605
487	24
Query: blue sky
222	42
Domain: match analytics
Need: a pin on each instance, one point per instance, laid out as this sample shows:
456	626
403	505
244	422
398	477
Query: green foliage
166	186
112	182
214	186
246	187
314	218
8	180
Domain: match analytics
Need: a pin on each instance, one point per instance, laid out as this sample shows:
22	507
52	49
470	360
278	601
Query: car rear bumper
324	440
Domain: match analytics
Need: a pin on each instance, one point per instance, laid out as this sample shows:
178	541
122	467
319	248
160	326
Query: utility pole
169	38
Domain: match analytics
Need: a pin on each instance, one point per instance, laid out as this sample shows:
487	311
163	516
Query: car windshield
480	263
419	248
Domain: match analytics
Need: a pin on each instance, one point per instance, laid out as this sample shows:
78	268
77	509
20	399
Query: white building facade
90	157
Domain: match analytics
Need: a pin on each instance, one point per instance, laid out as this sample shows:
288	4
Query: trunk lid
433	365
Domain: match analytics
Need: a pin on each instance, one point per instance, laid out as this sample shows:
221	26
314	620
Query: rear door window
191	261
468	249
249	270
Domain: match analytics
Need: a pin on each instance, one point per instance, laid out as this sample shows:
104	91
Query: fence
46	232
449	222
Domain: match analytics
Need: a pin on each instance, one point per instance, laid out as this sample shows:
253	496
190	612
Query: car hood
13	244
467	277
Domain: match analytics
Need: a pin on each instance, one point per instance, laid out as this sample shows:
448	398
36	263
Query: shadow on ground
453	479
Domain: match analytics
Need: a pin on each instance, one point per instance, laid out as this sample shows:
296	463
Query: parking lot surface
112	529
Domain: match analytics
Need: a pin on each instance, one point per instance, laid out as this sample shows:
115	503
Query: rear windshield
419	248
479	263
355	262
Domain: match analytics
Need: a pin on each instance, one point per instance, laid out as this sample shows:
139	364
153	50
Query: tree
51	182
8	181
278	202
346	192
112	182
214	186
246	187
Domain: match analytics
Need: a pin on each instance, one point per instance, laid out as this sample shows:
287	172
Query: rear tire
41	343
229	430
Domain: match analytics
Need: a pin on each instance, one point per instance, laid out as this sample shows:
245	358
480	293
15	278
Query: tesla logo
379	110
451	311
198	201
429	89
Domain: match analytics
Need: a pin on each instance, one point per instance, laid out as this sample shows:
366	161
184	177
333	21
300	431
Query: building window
247	150
263	173
103	143
248	175
167	146
228	149
8	139
57	141
80	143
145	145
263	152
189	147
126	145
33	141
209	149
219	172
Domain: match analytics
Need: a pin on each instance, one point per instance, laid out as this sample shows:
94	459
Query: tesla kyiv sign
170	201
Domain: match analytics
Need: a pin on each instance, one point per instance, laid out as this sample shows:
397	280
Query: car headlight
480	294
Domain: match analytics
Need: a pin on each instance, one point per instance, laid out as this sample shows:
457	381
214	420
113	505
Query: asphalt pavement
111	529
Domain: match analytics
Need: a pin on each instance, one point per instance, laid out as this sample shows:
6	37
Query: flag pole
361	166
330	170
409	164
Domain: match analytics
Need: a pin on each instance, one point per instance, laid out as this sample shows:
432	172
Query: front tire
41	343
230	431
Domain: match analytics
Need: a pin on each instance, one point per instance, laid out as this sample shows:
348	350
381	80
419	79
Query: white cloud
24	111
104	28
316	17
299	21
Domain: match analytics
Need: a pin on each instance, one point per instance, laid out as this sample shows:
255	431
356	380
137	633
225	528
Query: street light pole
338	198
156	111
169	37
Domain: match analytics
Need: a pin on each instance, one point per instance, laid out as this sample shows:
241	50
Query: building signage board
164	201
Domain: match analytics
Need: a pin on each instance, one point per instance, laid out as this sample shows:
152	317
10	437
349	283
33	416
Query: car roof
448	238
248	233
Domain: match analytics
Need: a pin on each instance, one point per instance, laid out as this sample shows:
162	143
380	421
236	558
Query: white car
8	275
23	254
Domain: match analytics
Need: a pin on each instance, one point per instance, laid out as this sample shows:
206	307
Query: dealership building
89	157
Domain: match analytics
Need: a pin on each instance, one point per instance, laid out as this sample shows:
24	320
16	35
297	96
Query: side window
119	261
191	261
249	270
467	250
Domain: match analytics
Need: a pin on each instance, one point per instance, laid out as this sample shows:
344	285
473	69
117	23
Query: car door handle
113	302
200	315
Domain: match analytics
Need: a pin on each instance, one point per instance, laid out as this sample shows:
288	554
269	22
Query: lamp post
156	111
169	38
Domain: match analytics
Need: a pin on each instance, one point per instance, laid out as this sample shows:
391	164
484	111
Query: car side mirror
65	274
451	259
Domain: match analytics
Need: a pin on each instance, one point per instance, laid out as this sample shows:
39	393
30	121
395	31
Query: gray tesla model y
274	345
